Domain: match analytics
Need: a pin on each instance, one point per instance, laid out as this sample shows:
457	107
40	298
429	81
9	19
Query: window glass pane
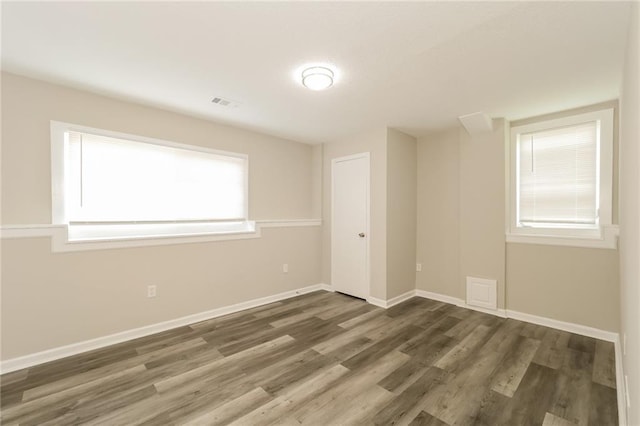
557	176
113	179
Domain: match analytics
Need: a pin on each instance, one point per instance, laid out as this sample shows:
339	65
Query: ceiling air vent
227	103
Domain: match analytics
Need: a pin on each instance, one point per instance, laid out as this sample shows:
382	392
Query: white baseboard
583	330
326	287
459	302
440	297
378	302
621	387
401	298
100	342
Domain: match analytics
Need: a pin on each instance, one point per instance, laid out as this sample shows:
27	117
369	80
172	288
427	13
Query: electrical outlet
151	291
285	267
418	267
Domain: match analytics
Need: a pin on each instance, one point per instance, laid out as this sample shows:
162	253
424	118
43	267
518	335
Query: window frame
598	236
122	231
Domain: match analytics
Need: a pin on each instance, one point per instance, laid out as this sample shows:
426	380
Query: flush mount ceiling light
317	78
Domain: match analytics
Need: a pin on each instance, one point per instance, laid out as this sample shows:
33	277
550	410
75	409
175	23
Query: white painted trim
608	240
459	302
112	339
377	302
60	242
583	330
440	297
601	238
401	298
326	287
621	389
279	223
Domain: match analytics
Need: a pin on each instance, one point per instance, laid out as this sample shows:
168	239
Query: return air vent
223	102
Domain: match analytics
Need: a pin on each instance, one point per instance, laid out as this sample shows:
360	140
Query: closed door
350	225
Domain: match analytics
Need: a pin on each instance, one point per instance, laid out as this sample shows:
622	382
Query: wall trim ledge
60	238
53	354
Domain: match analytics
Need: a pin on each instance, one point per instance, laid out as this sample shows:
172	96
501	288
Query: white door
350	225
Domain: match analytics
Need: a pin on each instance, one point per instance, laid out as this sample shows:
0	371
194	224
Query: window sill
607	240
78	233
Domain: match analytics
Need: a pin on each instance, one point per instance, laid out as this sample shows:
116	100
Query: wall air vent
224	102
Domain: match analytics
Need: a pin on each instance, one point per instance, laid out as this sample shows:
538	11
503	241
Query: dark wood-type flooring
328	359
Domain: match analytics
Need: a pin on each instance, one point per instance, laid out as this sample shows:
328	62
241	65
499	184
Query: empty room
320	213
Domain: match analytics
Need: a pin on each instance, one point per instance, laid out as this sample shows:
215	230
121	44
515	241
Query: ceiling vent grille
224	102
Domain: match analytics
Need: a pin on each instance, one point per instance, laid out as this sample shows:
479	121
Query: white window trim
605	235
132	233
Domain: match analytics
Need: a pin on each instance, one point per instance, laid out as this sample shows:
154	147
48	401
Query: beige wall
280	179
54	299
375	143
438	205
482	195
572	284
586	280
401	213
630	216
464	236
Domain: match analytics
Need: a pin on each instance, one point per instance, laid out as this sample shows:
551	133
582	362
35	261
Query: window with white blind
115	186
561	177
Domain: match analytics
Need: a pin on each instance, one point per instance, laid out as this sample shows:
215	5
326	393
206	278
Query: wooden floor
328	359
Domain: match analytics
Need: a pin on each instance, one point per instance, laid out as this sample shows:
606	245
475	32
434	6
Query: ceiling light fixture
317	78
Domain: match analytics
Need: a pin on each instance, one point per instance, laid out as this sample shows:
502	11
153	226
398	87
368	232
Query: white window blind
558	176
116	180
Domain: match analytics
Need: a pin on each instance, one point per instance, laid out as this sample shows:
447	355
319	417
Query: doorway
350	225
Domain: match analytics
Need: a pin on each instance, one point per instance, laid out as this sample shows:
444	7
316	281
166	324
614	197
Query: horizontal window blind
116	180
558	176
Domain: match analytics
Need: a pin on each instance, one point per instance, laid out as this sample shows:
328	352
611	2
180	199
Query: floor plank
328	359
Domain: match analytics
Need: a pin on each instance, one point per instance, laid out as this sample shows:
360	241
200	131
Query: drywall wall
375	143
630	216
585	282
572	284
438	205
482	200
401	213
53	299
461	228
280	177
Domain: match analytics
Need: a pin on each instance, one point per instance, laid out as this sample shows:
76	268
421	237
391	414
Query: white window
109	186
561	179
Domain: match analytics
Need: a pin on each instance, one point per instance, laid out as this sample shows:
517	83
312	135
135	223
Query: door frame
334	161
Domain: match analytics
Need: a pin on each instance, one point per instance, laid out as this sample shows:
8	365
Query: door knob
361	235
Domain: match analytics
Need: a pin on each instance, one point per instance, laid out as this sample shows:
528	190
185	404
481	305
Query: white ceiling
415	66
